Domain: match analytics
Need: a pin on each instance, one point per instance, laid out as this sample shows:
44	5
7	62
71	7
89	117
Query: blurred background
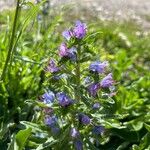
136	10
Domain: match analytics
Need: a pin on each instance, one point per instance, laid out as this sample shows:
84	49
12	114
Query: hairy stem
78	74
10	49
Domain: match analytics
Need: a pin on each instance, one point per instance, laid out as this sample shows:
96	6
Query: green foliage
19	140
125	45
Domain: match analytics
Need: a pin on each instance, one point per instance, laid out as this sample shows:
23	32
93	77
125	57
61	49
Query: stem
10	49
78	74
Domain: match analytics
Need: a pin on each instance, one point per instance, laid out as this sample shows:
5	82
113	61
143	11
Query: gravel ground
138	10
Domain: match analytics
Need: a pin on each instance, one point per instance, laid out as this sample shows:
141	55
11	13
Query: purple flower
48	110
66	52
48	97
78	145
112	94
67	34
98	130
107	81
96	106
51	121
52	67
84	119
79	30
98	67
74	133
63	99
63	51
93	88
72	53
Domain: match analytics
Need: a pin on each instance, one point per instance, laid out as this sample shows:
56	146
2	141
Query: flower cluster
52	122
99	68
64	51
48	97
79	31
52	66
63	99
67	103
84	119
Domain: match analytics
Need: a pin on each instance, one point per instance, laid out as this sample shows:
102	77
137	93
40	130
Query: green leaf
85	101
147	126
114	124
3	130
123	146
31	14
91	146
22	137
47	144
13	145
91	36
135	147
145	141
127	135
136	124
31	125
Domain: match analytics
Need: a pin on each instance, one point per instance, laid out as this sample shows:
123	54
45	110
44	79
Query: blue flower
52	67
72	53
79	30
96	106
67	52
93	89
87	80
107	81
74	133
98	67
67	34
63	99
51	121
63	51
84	119
48	97
78	145
98	130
